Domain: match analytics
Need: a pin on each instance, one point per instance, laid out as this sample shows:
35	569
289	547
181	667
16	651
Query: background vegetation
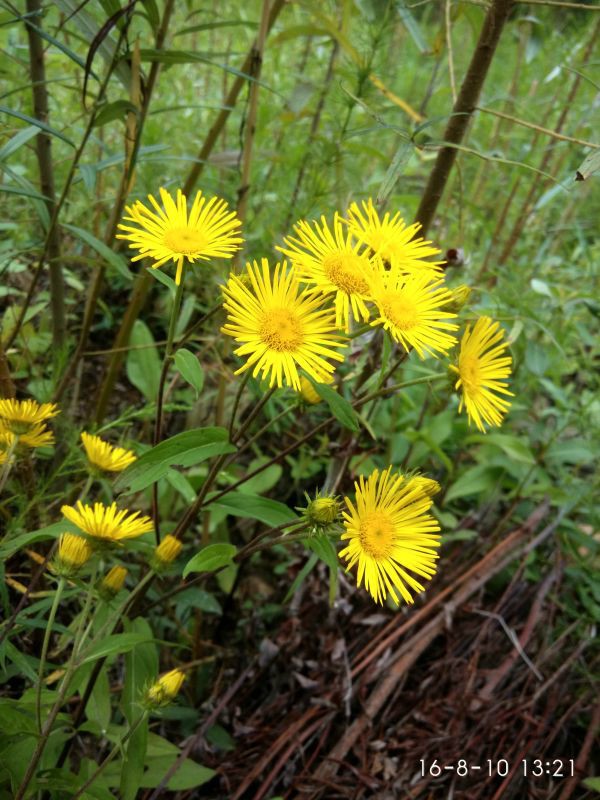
288	694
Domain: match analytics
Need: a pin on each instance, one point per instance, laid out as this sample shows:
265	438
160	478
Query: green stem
161	389
9	461
46	642
236	402
116	749
86	487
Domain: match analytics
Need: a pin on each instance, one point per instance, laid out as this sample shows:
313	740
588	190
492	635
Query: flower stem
115	751
46	642
161	389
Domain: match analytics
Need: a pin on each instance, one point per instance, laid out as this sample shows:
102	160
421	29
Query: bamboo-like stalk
539	183
143	282
43	147
462	112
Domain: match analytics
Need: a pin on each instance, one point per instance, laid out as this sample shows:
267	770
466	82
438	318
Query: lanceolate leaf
338	405
210	558
271	512
186	449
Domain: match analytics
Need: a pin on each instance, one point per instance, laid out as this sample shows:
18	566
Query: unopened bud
460	297
73	552
308	392
427	485
165	689
166	552
112	583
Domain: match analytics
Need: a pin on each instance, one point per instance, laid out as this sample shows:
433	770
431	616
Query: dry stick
547	131
144	281
409	652
126	177
539	182
314	127
463	108
256	59
43	146
560	4
582	758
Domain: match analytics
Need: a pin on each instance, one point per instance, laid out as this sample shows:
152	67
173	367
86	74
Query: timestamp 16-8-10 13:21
529	768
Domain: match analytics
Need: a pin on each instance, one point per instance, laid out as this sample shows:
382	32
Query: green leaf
301	577
143	363
513	446
474	480
187	449
38	124
116	644
11	545
189	367
338	405
571	451
592	783
249	506
114	259
17	141
211	558
189	775
323	547
118	109
591	164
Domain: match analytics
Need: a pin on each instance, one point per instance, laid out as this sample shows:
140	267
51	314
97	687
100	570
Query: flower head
427	485
73	552
391	239
165	689
410	308
112	583
308	392
20	416
335	264
390	535
166	552
321	512
280	328
460	297
170	233
482	366
103	455
107	523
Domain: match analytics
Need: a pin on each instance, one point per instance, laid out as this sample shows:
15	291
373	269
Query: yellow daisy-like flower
482	366
166	552
390	535
107	523
20	416
335	264
103	455
112	583
281	328
165	689
73	552
410	308
391	239
37	436
169	233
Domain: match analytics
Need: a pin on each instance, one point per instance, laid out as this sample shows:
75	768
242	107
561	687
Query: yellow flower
165	689
73	552
482	365
104	456
166	552
171	234
391	239
37	436
390	535
107	522
112	583
280	327
410	309
20	416
427	485
308	391
335	264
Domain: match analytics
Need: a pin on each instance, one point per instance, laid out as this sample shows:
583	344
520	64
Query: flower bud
427	485
73	552
165	689
320	513
460	297
308	392
166	552
112	583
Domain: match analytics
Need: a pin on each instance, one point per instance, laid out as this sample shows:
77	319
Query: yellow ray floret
410	308
103	455
390	535
38	435
73	551
107	522
392	239
280	327
334	264
169	233
20	416
482	367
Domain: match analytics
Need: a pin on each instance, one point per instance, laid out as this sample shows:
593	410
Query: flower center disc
400	311
186	241
377	534
281	330
345	270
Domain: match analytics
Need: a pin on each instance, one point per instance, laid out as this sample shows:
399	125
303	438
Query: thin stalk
252	415
86	487
161	390
113	753
236	402
7	386
45	644
37	71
